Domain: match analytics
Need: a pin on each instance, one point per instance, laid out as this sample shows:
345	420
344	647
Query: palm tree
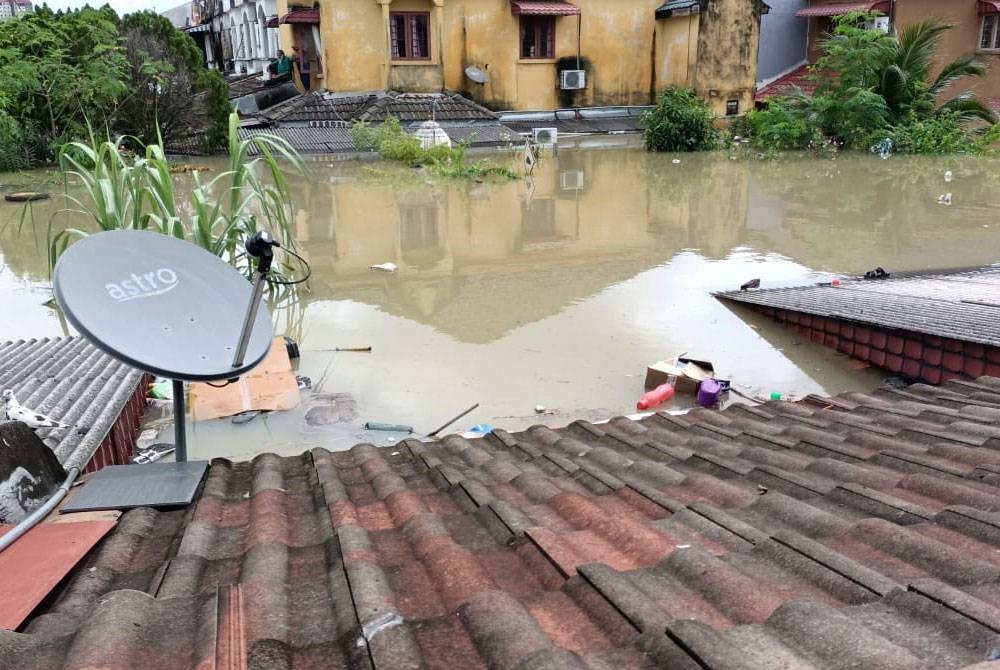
905	81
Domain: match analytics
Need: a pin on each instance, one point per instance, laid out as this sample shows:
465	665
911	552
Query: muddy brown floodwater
560	291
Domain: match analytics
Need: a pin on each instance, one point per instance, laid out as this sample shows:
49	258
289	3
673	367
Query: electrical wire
281	282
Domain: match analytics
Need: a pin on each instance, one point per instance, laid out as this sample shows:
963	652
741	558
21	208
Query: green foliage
56	71
782	125
393	143
122	190
874	86
171	93
13	155
938	134
680	122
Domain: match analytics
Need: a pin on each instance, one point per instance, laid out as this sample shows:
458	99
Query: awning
989	6
301	16
272	22
841	8
543	8
200	28
678	8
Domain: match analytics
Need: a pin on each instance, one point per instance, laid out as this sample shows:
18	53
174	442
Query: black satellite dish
477	75
165	306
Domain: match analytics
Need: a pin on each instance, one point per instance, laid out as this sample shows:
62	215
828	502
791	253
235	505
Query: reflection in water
602	262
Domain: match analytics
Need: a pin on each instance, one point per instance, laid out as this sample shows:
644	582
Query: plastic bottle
660	394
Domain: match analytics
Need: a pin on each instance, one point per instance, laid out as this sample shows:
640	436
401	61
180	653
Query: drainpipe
439	27
29	522
387	62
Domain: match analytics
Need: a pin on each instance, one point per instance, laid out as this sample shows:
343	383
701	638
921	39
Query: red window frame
413	48
538	33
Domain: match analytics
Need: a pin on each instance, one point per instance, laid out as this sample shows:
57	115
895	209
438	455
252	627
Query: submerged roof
377	106
859	531
73	382
961	305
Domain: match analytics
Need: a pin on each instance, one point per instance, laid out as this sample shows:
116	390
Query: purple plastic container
708	393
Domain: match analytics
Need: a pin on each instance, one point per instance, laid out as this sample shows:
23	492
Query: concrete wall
782	39
727	54
630	54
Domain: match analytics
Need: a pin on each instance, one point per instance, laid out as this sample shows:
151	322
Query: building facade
10	8
783	37
236	36
531	54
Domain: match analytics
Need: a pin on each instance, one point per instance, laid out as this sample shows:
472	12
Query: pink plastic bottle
660	394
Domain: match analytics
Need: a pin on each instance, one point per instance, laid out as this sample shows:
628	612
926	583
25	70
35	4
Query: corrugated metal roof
859	531
963	305
73	382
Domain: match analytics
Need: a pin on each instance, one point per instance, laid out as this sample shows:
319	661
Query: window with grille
410	35
990	36
538	37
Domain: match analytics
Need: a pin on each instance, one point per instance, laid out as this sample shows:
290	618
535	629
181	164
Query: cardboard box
690	372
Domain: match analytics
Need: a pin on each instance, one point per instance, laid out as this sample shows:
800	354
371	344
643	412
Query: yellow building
616	52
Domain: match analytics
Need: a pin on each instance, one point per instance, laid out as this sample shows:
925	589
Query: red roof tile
301	16
799	79
839	8
543	8
855	531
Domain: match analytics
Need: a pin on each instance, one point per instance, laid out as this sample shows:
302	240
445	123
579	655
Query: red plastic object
660	394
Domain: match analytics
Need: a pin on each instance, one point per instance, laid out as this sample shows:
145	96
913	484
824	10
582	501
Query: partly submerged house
975	29
531	54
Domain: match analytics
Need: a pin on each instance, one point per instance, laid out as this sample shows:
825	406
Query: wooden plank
38	561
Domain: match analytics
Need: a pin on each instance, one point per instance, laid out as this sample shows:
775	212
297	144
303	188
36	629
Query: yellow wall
631	55
676	50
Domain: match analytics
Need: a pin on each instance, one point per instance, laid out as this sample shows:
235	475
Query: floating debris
385	267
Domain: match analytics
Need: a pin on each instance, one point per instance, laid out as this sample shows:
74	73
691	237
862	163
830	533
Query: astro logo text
143	285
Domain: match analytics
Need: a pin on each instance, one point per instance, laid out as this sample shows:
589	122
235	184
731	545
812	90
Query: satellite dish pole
260	246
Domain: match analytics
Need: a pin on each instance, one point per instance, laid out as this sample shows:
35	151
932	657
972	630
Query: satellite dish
162	305
477	75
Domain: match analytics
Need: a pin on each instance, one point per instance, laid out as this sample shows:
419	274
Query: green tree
171	90
57	71
899	69
874	86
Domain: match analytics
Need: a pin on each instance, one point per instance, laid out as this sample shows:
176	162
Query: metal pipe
180	438
29	521
251	315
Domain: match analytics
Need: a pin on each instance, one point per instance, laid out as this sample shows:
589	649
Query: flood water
560	291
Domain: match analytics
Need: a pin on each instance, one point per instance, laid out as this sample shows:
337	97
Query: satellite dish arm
260	246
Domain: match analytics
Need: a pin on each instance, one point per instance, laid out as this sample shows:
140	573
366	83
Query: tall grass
136	191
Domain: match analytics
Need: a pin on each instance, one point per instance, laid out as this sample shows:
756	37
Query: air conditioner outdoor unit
572	180
545	137
571	80
880	23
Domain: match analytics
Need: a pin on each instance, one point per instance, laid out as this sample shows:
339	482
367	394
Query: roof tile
860	532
